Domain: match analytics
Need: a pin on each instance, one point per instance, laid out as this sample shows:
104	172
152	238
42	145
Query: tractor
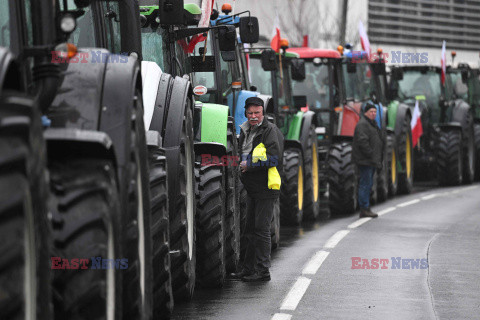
89	103
300	195
446	150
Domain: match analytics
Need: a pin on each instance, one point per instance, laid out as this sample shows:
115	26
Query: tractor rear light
339	109
285	108
236	85
66	50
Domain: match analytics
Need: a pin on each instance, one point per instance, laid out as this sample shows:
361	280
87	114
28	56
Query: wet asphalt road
440	225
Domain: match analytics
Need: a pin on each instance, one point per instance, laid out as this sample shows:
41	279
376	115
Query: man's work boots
257	277
240	275
367	213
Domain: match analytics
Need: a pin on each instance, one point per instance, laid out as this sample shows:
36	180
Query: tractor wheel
469	150
243	217
182	216
311	167
210	221
477	148
25	234
342	179
382	176
391	161
86	225
291	198
137	246
232	219
449	157
405	157
162	278
275	226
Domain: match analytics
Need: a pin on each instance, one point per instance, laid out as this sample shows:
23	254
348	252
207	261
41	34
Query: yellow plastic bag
274	180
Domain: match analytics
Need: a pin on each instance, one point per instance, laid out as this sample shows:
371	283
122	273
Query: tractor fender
214	123
209	149
9	71
450	126
288	144
308	119
79	143
151	74
402	111
180	91
340	139
459	113
162	100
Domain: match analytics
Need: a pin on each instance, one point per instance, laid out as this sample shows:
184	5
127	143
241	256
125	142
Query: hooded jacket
368	143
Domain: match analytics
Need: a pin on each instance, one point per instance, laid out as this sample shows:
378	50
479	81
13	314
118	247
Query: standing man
368	145
260	154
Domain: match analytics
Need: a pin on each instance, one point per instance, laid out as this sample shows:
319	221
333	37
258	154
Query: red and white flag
207	6
416	125
443	62
275	42
364	38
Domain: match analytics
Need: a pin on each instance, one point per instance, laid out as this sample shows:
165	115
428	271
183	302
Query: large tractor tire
342	179
405	157
391	161
243	218
232	219
449	156
86	225
275	226
182	217
477	150
311	192
25	234
162	279
210	221
469	152
291	196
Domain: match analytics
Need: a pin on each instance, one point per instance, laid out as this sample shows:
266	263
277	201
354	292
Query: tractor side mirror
171	12
379	68
298	69
268	60
82	3
351	67
299	102
464	76
249	30
226	38
397	74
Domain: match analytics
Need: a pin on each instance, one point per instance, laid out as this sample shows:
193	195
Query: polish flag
416	125
443	62
364	39
275	42
207	6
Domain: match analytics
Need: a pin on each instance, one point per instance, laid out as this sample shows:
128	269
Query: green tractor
301	197
446	150
96	159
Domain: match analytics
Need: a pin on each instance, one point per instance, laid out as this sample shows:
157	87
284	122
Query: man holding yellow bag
260	152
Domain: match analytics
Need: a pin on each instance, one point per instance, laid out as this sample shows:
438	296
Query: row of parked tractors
119	191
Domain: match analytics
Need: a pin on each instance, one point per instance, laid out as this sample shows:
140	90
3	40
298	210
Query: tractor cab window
152	43
84	34
260	78
283	80
316	85
474	92
358	85
206	79
112	22
4	24
460	89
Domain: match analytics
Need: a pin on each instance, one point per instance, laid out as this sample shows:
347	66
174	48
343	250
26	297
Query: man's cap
369	106
253	101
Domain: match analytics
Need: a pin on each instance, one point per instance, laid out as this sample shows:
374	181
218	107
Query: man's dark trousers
257	234
365	184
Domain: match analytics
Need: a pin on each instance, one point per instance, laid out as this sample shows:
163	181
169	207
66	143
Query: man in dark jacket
368	145
260	154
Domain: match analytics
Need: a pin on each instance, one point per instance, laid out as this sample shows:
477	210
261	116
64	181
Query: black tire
138	278
25	234
232	219
391	161
182	215
342	179
404	150
85	211
162	278
210	221
469	152
243	218
291	197
275	226
477	148
311	182
449	157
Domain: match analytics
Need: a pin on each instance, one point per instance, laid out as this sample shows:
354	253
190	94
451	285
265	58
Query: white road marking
315	263
408	203
358	223
469	188
430	196
295	294
455	191
281	316
336	238
381	213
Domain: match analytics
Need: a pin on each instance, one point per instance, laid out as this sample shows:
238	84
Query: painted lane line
314	264
430	196
455	191
381	213
281	316
295	294
408	203
335	239
469	188
358	223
